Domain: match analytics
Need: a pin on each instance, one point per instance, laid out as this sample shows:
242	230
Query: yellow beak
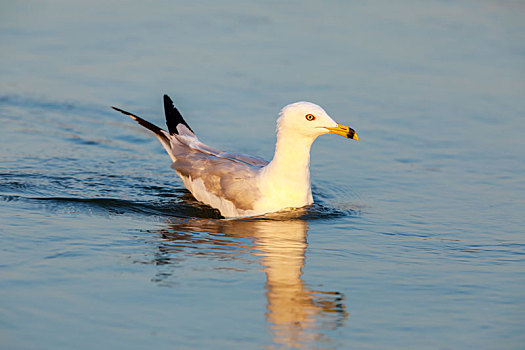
345	131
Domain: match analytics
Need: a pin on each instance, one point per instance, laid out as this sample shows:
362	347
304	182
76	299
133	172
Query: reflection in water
296	314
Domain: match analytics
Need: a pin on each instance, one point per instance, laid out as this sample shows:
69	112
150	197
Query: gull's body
239	185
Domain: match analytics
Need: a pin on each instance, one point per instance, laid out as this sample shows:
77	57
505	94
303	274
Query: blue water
416	239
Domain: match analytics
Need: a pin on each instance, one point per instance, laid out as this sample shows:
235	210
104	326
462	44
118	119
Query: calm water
416	240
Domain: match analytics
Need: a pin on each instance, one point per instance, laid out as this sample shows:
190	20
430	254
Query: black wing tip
152	127
167	99
125	112
173	116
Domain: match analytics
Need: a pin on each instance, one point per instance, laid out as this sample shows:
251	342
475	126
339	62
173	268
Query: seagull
240	185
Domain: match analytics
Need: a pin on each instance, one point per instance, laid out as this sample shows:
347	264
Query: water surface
416	237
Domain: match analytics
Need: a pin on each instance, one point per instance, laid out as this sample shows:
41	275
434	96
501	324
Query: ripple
125	207
180	205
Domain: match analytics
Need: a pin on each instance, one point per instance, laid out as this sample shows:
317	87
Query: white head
310	120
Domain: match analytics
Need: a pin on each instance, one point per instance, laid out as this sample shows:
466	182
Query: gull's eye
309	117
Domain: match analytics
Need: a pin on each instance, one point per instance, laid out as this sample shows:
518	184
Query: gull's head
310	120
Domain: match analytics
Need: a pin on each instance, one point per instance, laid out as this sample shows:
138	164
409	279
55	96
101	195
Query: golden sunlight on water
296	314
292	307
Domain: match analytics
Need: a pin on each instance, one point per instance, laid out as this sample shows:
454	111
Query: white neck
287	176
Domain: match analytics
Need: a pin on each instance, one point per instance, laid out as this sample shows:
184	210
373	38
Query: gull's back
226	181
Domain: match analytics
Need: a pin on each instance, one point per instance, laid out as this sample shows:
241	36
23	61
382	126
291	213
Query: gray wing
252	160
231	176
227	175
